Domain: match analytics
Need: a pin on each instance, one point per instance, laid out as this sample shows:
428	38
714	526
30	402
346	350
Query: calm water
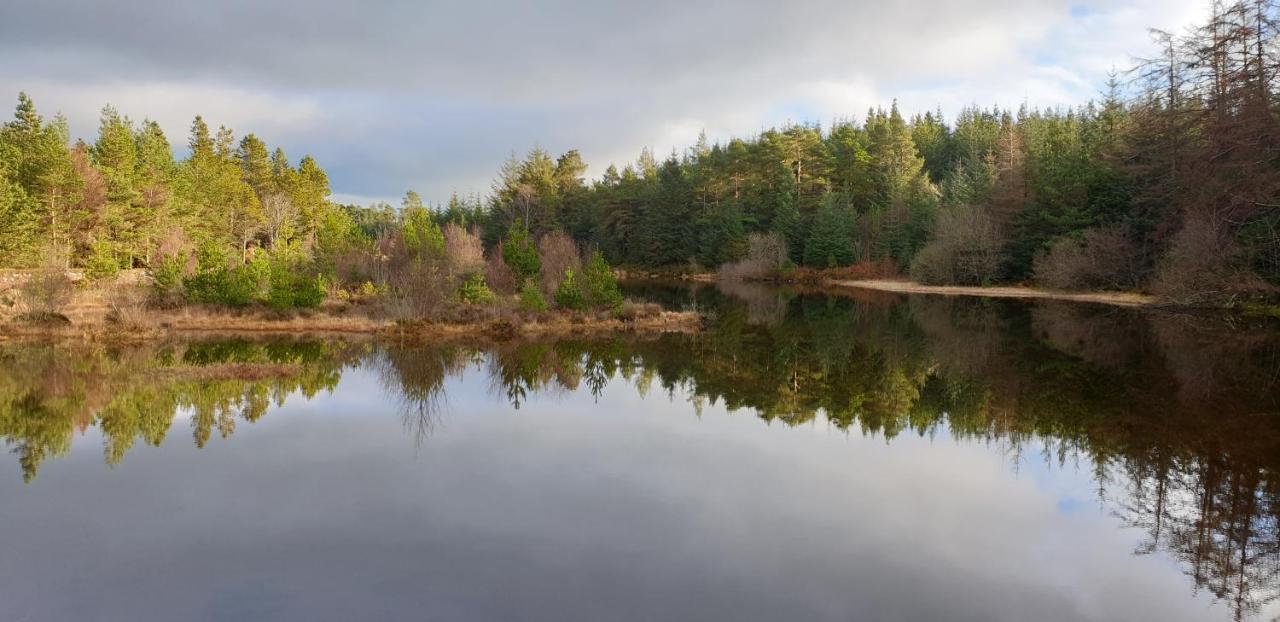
806	458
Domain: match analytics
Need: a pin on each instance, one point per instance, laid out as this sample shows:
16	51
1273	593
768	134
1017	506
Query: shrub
519	253
128	305
232	287
498	274
568	296
166	282
600	284
1204	266
47	292
531	298
767	255
417	289
463	251
965	249
474	291
556	253
1099	258
292	287
631	311
310	292
101	263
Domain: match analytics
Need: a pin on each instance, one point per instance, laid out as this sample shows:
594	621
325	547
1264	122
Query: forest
1168	183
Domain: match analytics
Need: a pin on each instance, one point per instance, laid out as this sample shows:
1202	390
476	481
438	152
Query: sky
435	95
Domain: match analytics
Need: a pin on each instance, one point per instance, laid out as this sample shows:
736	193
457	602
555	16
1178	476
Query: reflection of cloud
621	509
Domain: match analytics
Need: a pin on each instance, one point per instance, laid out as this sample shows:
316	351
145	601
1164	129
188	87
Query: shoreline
1120	299
164	326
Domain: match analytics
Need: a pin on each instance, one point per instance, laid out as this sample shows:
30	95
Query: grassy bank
84	320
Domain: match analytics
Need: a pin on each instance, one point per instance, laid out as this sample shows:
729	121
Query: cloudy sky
435	95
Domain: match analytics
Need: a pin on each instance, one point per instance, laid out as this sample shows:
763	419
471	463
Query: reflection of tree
47	392
417	376
1102	388
1188	457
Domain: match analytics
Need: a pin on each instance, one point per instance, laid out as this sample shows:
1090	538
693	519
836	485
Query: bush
101	263
531	298
965	249
310	292
463	251
767	255
1103	258
418	289
128	305
568	296
557	253
498	274
232	287
601	286
292	287
167	288
1205	266
631	311
47	292
519	253
475	292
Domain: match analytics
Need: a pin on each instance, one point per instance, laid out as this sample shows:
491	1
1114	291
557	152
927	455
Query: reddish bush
1102	258
558	253
498	275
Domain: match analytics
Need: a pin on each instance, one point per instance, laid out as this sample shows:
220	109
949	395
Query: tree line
1170	182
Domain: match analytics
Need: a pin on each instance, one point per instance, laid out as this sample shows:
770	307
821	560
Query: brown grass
554	324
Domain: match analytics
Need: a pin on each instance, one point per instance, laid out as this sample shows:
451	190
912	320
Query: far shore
1121	299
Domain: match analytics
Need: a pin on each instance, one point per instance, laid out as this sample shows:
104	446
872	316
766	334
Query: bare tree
281	218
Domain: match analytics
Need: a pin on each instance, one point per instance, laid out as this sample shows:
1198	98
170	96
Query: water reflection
1174	416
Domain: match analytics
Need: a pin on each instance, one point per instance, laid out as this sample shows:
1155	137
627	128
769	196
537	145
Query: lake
806	457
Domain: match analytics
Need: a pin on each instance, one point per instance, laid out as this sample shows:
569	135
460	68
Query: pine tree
255	165
422	236
115	156
830	242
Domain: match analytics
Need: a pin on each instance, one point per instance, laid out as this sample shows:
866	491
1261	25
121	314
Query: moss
1259	309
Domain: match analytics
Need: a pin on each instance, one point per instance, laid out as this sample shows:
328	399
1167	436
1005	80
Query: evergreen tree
520	253
422	236
831	242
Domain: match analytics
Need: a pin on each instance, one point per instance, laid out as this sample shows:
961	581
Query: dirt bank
1123	299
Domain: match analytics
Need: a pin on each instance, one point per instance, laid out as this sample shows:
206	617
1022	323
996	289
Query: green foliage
231	287
474	291
871	190
166	280
721	235
568	296
102	263
422	236
831	241
520	253
600	284
292	286
531	298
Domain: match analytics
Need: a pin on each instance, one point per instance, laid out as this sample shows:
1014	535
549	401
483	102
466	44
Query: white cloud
434	97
